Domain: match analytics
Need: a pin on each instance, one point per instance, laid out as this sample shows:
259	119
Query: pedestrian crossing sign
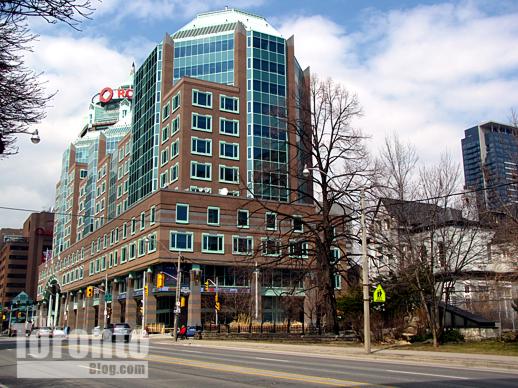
379	295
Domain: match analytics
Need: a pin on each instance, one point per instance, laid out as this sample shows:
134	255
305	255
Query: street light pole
177	298
365	280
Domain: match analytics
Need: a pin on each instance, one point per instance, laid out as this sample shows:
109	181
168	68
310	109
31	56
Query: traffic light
89	291
160	280
182	301
218	306
206	286
146	290
216	298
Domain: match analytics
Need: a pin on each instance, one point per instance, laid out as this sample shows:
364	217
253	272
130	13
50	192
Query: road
196	365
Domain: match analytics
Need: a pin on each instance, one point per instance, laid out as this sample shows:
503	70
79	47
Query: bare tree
397	164
22	95
328	169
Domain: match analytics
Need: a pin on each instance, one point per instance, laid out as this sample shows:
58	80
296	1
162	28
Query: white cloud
428	72
165	9
77	69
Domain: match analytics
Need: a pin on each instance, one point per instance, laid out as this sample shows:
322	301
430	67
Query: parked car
189	332
59	332
45	331
117	331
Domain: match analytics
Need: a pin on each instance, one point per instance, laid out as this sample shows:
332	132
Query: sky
426	70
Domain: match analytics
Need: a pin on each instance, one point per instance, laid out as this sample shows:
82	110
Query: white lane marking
87	367
192	351
271	359
426	374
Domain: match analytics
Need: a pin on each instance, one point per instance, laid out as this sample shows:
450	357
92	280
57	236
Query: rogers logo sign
107	94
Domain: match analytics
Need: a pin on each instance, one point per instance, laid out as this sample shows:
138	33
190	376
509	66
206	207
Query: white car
58	332
44	332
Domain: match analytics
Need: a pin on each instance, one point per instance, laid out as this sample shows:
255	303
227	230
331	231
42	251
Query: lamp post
365	263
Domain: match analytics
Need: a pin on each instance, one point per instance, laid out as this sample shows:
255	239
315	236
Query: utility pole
177	298
256	273
105	302
365	279
144	302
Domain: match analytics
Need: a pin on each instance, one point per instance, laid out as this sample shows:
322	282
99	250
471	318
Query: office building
490	156
178	170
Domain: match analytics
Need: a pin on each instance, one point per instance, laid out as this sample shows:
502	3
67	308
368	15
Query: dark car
117	331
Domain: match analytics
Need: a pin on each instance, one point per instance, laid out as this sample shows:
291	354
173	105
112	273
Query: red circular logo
106	94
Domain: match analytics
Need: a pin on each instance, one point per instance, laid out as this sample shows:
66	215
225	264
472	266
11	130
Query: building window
152	215
299	249
213	216
133	225
164	179
229	104
164	156
165	133
182	213
201	146
201	171
181	241
83	174
124	254
142	220
166	111
228	127
151	246
175	148
335	254
270	247
337	281
228	150
174	173
115	258
124	231
212	243
297	224
271	221
132	251
175	125
200	98
243	218
201	122
175	102
242	245
228	174
141	247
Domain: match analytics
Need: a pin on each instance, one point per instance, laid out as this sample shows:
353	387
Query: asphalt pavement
220	364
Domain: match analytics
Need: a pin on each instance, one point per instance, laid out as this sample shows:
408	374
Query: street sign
379	295
178	303
177	310
108	297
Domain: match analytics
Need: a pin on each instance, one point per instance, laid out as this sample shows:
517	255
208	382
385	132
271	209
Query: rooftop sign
107	94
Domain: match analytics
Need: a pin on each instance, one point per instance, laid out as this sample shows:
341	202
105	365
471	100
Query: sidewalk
508	363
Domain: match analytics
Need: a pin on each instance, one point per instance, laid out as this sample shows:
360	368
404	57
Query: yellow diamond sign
379	295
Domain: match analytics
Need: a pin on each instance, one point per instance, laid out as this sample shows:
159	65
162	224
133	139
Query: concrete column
150	300
256	296
62	310
131	304
80	319
49	311
194	308
71	315
57	301
89	315
116	306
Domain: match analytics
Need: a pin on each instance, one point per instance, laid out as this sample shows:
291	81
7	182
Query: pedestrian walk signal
379	295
